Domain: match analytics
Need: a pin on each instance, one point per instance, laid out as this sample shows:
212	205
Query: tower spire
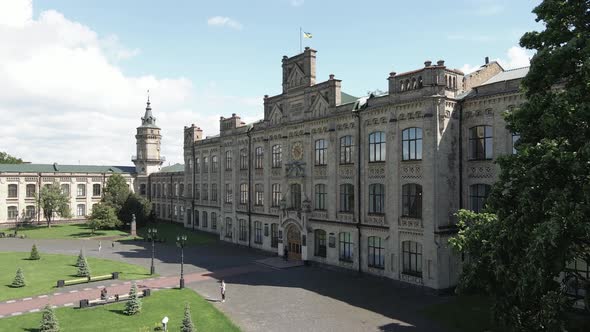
148	119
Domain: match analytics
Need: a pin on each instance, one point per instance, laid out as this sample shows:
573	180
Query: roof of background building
56	168
345	98
173	168
507	75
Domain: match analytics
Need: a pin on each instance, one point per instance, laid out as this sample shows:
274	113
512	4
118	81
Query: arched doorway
294	242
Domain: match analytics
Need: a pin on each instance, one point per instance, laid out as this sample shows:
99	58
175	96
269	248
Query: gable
276	115
296	77
320	106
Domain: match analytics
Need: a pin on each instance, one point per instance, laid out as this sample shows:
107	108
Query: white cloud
223	21
516	57
64	99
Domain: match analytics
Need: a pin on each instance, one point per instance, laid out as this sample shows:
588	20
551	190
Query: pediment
276	115
320	106
296	77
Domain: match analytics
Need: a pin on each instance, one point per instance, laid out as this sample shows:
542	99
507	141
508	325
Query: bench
86	303
62	283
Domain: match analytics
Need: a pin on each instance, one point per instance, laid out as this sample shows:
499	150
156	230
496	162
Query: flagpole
300	40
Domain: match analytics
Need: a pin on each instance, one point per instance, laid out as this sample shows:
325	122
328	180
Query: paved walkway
259	297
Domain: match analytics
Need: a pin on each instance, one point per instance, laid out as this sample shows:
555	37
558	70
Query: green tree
49	321
542	198
53	201
187	322
5	158
34	253
133	305
81	259
19	279
135	204
116	192
103	217
83	269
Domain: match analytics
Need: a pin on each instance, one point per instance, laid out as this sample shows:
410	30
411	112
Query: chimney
440	63
427	63
487	60
331	76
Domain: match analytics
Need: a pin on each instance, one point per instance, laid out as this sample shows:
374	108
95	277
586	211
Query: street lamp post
181	242
152	234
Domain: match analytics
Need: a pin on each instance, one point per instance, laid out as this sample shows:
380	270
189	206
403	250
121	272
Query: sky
74	74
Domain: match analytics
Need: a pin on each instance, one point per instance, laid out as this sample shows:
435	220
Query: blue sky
75	72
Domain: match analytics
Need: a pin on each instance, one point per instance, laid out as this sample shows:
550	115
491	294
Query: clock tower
148	138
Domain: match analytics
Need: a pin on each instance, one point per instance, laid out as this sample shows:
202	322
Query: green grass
111	318
65	231
41	276
169	231
463	313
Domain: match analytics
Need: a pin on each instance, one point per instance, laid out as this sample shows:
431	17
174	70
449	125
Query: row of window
165	190
243	231
31	190
30	211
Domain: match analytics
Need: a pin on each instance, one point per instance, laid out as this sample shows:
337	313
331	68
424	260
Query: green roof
345	98
173	168
57	168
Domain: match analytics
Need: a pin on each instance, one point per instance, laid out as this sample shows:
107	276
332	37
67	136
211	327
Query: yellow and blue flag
307	35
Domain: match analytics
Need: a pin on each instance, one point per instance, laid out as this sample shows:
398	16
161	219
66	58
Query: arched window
412	258
244	193
214	164
401	86
376	198
412	200
228	193
31	190
478	193
414	84
30	211
12	191
480	143
346	145
259	158
80	210
376	252
81	190
345	247
320	242
296	196
243	159
346	197
12	212
377	146
320	197
277	156
205	164
197	165
205	219
228	160
412	144
420	84
213	221
320	152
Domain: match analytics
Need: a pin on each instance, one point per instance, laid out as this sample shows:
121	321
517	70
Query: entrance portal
294	242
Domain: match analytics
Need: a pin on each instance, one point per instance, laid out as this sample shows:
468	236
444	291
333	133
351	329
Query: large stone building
369	184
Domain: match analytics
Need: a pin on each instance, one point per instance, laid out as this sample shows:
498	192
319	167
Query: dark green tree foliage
19	279
133	305
49	321
103	217
34	253
83	269
135	204
116	192
5	158
187	322
81	259
542	198
53	201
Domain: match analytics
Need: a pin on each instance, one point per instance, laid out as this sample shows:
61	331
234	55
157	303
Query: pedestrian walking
222	288
113	244
99	246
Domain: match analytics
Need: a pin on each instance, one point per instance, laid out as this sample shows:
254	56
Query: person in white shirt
222	288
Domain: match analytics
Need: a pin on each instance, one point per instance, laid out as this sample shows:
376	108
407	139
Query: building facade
369	184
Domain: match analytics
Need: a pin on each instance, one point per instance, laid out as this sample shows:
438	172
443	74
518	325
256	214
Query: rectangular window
81	210
412	144
30	211
345	246
346	145
12	191
412	258
296	196
276	195
81	190
243	230
12	212
31	190
65	188
96	190
321	148
478	193
228	228
376	252
228	193
259	158
198	165
277	156
214	192
259	194
243	159
213	221
205	191
346	198
205	220
480	143
244	193
377	146
320	243
274	235
258	232
228	160
412	200
205	164
376	198
320	196
197	191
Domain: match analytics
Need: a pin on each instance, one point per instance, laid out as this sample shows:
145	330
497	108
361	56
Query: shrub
19	279
34	253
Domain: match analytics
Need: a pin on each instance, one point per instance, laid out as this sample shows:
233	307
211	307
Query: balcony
134	158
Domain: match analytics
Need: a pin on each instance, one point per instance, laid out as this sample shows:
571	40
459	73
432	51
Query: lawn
463	313
168	232
65	231
41	275
162	303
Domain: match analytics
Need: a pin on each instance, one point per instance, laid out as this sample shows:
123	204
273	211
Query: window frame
259	157
377	147
376	199
412	144
320	151
412	200
412	252
12	190
258	232
346	150
375	252
478	145
277	156
243	193
346	198
320	196
345	247
478	197
259	194
320	247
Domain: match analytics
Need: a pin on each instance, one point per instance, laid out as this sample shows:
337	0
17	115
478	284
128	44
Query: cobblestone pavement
259	298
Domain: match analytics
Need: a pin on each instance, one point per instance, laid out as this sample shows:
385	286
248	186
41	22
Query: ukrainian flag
307	35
